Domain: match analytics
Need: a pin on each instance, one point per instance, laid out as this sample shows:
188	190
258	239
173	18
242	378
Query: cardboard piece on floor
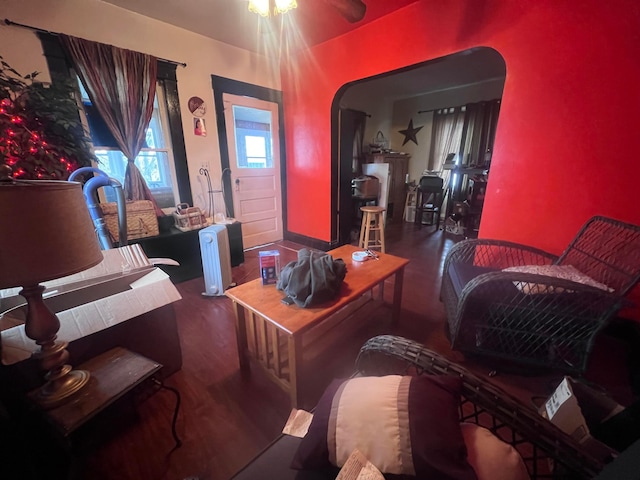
297	424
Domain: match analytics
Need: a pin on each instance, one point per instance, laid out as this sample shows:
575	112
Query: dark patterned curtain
122	86
479	133
359	122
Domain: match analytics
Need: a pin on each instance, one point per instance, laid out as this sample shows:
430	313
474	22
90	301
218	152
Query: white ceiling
230	21
461	69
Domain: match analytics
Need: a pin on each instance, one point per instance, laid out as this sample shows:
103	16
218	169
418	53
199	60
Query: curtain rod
40	30
457	106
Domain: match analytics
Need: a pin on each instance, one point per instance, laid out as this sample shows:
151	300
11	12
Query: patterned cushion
403	425
565	272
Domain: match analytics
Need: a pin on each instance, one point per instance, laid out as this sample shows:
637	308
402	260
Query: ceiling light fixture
271	7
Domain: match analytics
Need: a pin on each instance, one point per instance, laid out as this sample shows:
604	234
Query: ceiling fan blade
352	10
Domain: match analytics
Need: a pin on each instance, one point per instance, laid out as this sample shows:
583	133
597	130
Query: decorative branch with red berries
41	136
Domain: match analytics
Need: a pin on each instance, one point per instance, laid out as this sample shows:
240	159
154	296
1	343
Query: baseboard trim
309	241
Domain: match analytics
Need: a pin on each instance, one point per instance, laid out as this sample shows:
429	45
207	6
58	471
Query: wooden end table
271	332
113	374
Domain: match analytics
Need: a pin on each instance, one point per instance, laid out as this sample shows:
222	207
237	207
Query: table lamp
45	233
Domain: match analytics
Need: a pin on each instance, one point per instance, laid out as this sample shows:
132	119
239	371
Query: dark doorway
443	82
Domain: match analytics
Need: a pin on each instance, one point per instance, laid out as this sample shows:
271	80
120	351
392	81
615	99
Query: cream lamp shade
45	232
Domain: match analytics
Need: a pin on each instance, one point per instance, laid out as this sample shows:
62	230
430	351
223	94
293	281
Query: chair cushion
565	272
403	425
490	457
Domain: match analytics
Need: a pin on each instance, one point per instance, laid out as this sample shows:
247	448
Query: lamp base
56	391
42	325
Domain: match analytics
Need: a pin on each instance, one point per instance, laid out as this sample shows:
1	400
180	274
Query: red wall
567	144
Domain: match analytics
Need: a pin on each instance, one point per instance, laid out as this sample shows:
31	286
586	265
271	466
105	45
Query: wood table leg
362	231
295	362
241	337
397	295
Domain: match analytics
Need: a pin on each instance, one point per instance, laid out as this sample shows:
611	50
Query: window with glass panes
155	160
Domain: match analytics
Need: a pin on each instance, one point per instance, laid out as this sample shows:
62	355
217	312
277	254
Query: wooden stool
372	223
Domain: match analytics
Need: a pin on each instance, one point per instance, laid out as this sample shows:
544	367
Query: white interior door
254	160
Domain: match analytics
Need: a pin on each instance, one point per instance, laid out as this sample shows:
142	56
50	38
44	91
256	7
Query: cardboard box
123	286
116	261
576	409
269	266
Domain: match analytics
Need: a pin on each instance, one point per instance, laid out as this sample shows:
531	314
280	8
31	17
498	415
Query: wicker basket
188	218
141	219
379	143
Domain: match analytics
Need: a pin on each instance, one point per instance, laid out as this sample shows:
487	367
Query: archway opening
401	111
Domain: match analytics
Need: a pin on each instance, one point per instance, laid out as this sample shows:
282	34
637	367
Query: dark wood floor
226	419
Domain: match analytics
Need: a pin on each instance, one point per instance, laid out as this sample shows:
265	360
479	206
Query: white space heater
216	259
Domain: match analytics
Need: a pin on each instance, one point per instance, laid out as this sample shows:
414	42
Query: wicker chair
535	320
546	450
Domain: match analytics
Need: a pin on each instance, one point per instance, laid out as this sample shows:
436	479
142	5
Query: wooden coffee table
272	333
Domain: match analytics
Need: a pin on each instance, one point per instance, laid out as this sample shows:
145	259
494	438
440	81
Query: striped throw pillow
403	425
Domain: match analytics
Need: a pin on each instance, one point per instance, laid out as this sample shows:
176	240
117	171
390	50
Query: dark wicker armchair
546	450
539	320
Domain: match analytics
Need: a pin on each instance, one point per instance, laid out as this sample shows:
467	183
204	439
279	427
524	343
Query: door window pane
254	147
256	151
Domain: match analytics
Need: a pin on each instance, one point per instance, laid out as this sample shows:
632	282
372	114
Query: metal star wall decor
410	133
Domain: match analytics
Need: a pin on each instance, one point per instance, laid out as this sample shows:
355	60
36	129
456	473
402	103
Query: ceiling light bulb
283	6
260	7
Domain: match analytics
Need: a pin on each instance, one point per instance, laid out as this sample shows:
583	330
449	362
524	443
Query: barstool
372	223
